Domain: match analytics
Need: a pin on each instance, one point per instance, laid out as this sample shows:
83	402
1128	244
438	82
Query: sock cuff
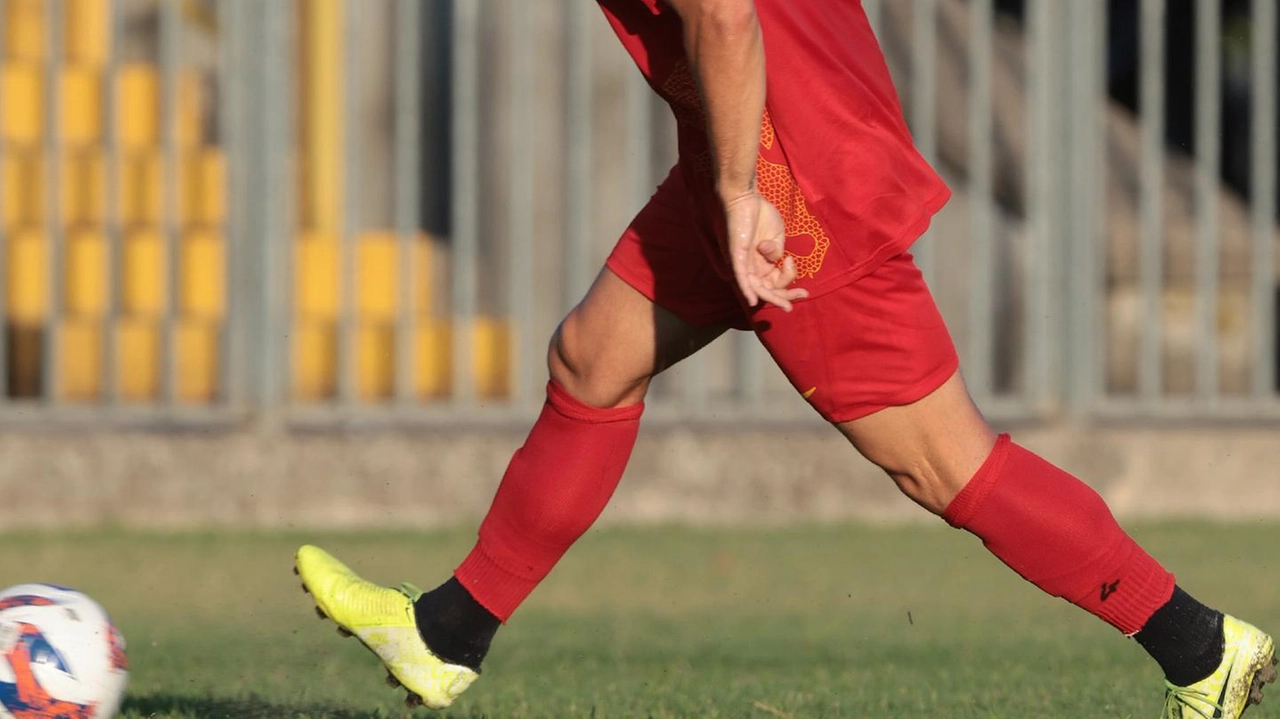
492	585
966	504
568	406
1150	586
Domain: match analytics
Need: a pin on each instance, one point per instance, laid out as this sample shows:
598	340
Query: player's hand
755	249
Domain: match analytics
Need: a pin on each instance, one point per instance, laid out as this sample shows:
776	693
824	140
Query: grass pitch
812	622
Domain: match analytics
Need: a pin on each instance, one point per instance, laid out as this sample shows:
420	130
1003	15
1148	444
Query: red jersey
836	156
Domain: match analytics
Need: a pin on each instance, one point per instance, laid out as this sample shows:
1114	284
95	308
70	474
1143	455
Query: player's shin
556	486
1058	533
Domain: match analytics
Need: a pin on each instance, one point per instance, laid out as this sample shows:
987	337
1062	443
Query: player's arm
725	47
726	53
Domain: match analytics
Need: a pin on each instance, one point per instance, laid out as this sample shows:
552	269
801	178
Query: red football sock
1059	535
554	489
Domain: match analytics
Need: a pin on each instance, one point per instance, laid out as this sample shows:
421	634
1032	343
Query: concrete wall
678	475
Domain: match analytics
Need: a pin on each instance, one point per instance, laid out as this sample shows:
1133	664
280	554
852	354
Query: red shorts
876	342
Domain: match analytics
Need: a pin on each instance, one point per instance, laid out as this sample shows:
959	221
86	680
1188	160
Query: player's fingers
782	298
780	277
777	300
787	273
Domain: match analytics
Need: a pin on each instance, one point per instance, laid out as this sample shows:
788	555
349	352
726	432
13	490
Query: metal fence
322	212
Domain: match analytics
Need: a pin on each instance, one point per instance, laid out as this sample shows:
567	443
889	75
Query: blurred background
287	262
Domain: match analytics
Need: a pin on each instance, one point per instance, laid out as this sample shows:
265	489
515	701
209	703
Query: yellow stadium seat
204	188
80	359
84	188
12	189
314	358
141	189
140	111
138	86
197	360
316	279
375	361
85	265
203	281
320	87
23	27
22	85
492	357
87	37
377	278
144	290
21	204
82	105
27	284
433	358
139	346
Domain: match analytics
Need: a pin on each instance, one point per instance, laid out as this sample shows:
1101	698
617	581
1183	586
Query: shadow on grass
172	706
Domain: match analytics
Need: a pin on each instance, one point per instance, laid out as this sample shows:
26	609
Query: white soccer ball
60	655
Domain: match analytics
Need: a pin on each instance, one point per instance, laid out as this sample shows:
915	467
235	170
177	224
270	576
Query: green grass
812	622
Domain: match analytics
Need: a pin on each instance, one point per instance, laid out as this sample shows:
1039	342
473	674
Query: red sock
1059	535
554	489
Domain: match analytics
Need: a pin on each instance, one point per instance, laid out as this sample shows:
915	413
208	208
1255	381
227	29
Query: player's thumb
771	250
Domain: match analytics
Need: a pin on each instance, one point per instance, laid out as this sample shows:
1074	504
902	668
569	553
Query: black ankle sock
454	625
1185	638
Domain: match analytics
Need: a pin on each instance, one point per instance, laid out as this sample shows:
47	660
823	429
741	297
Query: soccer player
797	194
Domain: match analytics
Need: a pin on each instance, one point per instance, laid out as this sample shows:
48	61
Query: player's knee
584	370
931	474
922	486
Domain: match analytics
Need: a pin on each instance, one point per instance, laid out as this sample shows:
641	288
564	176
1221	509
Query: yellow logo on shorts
809	392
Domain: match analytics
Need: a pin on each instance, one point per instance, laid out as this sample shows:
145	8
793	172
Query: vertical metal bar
1208	121
1151	228
874	12
1087	144
1095	84
466	191
231	142
4	252
695	391
520	213
170	66
924	79
408	202
275	202
50	364
351	171
1042	276
255	166
981	305
578	138
114	229
285	237
750	371
1263	184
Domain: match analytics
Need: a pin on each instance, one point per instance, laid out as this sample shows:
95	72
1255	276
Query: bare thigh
931	448
616	340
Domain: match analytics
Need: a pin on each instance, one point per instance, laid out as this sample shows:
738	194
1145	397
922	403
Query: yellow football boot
383	619
1248	662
